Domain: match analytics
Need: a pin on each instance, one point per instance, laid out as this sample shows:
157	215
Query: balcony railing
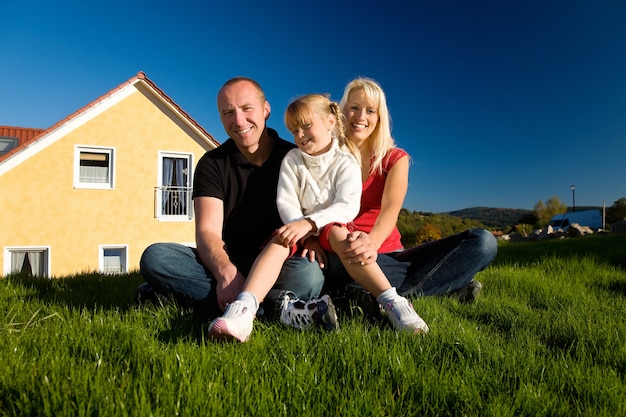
173	203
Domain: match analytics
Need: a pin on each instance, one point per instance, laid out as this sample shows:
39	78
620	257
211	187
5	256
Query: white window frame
108	151
9	250
123	263
158	207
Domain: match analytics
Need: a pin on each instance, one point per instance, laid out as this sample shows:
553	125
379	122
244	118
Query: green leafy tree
409	223
529	219
617	211
545	212
523	229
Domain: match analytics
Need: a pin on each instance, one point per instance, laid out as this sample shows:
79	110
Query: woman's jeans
437	267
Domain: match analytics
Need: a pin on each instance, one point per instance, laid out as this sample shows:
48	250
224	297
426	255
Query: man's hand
228	290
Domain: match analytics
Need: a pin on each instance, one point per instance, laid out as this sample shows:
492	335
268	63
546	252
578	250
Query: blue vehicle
589	218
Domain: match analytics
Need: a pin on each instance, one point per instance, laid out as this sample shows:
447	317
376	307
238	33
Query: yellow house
93	191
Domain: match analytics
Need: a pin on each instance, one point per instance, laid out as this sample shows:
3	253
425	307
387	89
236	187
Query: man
234	193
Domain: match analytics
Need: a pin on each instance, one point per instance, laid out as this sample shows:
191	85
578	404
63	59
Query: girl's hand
290	233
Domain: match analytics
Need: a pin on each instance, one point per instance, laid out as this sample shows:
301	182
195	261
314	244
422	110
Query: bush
428	233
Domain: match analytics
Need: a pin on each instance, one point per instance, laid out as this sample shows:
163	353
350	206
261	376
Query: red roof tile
22	134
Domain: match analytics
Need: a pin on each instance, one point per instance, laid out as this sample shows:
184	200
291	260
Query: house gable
65	227
35	140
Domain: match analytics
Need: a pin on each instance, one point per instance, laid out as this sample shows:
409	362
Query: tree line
420	227
544	211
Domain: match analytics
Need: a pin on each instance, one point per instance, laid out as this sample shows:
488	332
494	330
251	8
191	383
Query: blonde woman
446	266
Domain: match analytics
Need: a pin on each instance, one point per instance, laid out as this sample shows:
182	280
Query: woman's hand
313	250
360	249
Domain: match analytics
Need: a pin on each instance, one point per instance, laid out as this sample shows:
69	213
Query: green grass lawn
546	338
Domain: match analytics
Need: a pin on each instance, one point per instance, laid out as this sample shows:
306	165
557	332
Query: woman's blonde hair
380	139
300	113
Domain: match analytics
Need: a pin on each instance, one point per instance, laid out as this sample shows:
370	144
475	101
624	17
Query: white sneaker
403	317
235	324
303	315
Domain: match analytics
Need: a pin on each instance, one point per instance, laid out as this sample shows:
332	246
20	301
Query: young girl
319	192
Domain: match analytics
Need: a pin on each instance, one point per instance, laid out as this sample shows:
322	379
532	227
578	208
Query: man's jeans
176	270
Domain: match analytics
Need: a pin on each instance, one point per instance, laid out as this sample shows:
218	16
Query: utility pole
573	197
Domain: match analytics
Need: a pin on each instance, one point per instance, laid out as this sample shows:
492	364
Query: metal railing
173	202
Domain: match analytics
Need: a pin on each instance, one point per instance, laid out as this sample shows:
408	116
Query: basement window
113	259
32	261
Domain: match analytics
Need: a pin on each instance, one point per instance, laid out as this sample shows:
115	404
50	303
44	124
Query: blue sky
499	103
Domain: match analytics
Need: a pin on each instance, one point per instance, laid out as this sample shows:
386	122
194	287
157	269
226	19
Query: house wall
41	207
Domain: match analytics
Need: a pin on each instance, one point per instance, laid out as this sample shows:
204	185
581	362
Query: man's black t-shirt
249	195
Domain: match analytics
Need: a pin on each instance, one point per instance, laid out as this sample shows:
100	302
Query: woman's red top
371	201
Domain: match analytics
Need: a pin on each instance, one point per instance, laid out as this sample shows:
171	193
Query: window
32	261
113	259
7	144
173	195
93	167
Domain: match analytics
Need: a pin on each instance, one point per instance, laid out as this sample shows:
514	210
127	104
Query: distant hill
491	217
501	217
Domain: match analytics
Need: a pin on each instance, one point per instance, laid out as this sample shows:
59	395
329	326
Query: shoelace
303	314
235	309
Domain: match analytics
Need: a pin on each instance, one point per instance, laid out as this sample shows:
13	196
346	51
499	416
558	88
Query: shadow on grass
616	287
84	290
186	326
187	323
116	292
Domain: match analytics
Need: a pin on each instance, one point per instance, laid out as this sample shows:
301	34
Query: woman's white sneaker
403	317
